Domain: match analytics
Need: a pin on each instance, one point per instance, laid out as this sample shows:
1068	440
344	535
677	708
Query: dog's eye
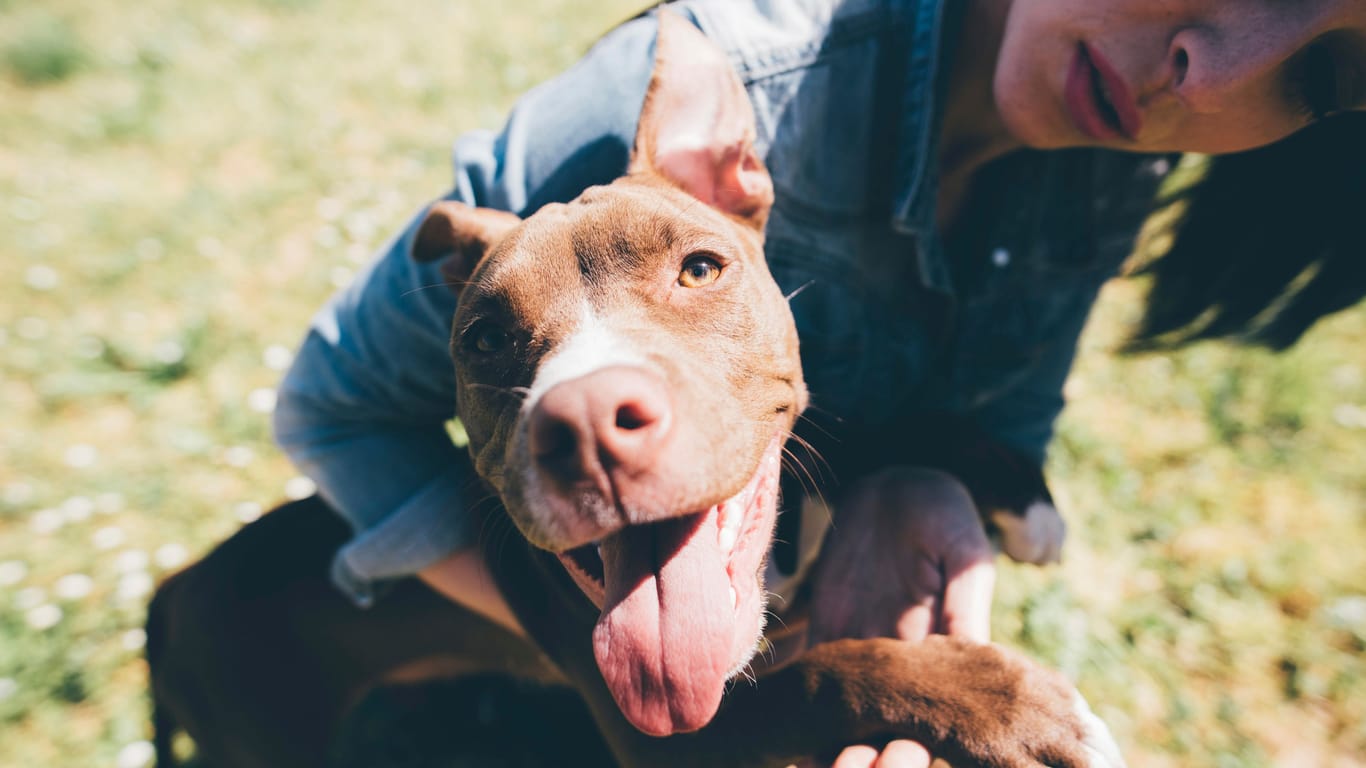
698	271
487	337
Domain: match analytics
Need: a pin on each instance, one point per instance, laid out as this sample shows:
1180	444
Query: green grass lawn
183	184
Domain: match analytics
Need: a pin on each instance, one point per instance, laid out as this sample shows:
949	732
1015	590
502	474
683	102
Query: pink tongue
664	641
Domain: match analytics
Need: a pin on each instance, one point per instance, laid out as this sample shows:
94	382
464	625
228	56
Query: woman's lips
1097	98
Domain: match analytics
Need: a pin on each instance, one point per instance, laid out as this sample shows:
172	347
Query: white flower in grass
327	237
26	209
171	555
46	521
168	352
1349	613
340	277
77	509
134	321
80	456
150	249
45	616
261	400
330	208
89	348
8	687
133	639
299	487
410	78
360	226
32	328
108	537
131	560
1350	416
12	572
209	247
41	277
277	357
136	755
134	586
29	597
73	586
238	456
247	511
17	494
109	503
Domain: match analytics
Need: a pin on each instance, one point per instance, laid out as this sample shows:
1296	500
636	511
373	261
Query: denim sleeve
1092	216
362	411
1023	416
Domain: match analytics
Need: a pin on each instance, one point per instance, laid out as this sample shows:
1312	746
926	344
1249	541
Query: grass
182	184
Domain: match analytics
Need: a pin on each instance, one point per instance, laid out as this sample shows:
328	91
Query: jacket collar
933	27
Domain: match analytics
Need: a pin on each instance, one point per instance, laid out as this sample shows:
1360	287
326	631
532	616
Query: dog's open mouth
682	604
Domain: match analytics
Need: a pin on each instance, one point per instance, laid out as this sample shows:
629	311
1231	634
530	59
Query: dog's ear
697	126
461	234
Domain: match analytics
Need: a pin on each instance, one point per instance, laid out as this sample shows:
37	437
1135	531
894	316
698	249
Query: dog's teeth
732	514
734	599
727	540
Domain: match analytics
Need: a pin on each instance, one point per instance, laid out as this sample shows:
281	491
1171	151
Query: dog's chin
682	603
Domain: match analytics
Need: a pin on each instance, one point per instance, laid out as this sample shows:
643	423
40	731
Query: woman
954	182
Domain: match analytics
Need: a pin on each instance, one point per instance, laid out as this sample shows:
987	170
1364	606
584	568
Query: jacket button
1000	257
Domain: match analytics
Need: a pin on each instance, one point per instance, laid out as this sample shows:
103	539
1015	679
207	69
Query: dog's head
627	371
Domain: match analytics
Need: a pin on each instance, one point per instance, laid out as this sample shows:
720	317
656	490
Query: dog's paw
967	703
1033	537
1100	746
1021	714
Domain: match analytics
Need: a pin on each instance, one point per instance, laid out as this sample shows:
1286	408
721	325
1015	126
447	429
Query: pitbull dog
627	372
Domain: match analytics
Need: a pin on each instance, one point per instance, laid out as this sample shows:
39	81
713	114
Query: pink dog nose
615	420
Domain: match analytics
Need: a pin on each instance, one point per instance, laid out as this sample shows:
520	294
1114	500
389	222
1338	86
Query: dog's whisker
798	468
814	467
775	616
520	392
821	465
805	417
798	290
447	285
817	426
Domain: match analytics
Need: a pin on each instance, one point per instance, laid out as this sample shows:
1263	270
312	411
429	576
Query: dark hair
1262	243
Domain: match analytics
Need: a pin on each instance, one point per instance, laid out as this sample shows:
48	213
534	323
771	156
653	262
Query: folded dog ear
697	126
461	234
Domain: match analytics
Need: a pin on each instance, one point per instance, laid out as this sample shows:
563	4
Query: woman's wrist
463	577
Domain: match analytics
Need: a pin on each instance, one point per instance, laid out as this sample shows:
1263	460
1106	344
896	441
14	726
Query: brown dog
627	374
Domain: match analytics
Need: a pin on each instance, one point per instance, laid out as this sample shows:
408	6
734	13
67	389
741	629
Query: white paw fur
1034	538
1099	744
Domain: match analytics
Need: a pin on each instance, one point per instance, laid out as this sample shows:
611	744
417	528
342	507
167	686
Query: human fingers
902	753
971	580
857	756
830	616
915	606
917	621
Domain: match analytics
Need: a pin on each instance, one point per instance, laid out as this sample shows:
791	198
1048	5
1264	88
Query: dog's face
627	371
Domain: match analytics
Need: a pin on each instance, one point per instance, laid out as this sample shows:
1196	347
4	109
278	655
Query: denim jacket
894	318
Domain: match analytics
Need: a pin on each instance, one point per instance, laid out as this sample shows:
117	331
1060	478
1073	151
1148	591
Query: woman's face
1211	76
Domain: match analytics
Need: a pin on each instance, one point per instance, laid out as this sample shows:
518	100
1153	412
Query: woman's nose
1211	69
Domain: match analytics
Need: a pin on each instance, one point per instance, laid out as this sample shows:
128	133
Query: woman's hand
907	556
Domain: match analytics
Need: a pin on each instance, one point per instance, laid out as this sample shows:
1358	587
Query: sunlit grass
182	185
